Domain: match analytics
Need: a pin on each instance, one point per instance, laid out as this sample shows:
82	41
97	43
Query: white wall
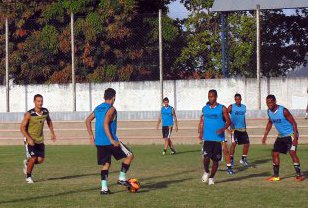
145	96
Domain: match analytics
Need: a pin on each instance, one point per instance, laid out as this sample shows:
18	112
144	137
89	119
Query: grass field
70	178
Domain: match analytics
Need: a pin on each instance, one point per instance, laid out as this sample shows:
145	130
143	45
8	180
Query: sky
177	10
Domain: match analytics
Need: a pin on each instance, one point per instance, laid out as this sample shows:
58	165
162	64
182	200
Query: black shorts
105	153
167	131
284	145
213	150
38	150
240	137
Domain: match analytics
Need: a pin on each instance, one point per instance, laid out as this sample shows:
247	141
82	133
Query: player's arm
175	119
23	127
159	121
51	128
267	130
201	127
229	110
227	121
109	118
291	119
89	127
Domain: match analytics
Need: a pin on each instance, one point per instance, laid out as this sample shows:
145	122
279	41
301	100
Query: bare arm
291	119
268	128
108	118
229	110
159	121
50	126
89	127
23	127
227	121
201	127
175	119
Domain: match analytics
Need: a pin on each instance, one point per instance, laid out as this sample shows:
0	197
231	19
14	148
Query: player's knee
131	157
40	160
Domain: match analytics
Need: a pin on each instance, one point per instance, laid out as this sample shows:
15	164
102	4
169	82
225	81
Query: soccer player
214	121
225	148
168	116
239	134
106	140
287	139
32	129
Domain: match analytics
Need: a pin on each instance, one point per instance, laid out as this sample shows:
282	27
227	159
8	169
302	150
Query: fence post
258	55
7	65
73	63
160	57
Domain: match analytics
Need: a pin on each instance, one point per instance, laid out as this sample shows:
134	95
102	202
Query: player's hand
53	138
115	143
30	142
264	140
91	139
220	131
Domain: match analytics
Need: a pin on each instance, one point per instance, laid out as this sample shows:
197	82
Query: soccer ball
135	185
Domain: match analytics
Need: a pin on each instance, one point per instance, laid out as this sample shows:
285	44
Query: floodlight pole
73	63
224	44
7	65
258	55
160	57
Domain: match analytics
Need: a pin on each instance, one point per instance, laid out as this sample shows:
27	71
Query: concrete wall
185	95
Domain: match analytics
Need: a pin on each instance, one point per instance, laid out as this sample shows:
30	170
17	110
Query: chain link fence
126	48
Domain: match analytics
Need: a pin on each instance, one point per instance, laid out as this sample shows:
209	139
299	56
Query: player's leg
206	160
295	159
227	158
123	152
244	140
165	133
104	160
276	163
104	178
232	148
170	143
30	164
215	157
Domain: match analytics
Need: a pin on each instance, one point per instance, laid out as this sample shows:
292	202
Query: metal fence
147	47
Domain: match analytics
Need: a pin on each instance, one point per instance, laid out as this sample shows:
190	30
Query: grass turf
70	178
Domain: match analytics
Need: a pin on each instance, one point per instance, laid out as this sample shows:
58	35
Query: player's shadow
47	196
69	177
188	151
254	175
161	185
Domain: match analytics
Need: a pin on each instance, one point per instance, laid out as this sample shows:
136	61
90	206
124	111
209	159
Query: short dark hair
37	96
237	95
165	99
271	97
109	93
213	91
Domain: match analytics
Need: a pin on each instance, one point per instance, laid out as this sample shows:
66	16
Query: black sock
124	167
104	175
229	167
297	168
28	175
173	150
164	150
276	170
243	157
232	157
